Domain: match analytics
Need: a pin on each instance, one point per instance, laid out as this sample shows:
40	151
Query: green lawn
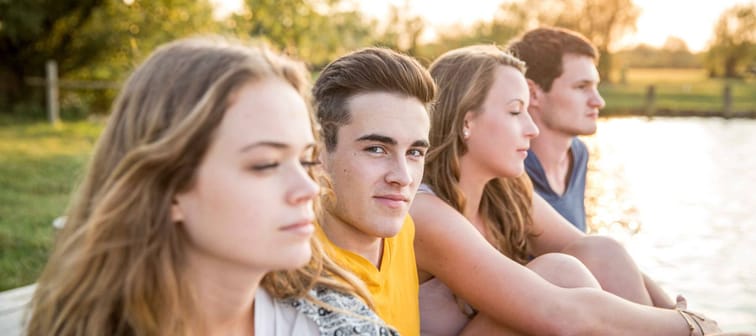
39	166
678	90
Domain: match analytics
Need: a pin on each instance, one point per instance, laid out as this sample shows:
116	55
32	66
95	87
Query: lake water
681	195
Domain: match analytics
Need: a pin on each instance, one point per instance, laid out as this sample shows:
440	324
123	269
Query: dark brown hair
542	50
363	71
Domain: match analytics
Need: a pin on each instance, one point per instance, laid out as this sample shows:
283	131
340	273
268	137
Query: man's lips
392	200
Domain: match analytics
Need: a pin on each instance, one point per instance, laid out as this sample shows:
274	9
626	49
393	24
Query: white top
276	318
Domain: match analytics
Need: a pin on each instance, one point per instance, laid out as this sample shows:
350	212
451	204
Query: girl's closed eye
260	167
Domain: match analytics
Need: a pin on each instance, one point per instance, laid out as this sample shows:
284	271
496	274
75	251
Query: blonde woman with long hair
478	223
195	214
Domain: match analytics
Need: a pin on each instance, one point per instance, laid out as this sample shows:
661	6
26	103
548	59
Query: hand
701	324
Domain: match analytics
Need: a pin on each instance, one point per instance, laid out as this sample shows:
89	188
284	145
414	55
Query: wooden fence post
651	101
53	108
727	101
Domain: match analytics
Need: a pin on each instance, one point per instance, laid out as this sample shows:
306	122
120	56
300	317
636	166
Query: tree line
104	39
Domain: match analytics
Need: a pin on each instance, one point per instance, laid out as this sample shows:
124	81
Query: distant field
39	165
678	91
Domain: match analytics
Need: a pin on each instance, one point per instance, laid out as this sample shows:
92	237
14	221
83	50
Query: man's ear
323	157
536	93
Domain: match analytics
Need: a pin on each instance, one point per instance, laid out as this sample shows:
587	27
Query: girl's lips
304	227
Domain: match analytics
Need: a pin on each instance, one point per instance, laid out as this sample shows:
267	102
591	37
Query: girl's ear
467	124
177	215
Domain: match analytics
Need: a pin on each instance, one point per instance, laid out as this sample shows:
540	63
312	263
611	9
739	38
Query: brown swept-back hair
464	76
543	49
364	71
118	266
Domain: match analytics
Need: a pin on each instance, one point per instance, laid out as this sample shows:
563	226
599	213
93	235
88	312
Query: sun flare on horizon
653	27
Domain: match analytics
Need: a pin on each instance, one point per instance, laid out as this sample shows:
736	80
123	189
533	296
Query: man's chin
388	230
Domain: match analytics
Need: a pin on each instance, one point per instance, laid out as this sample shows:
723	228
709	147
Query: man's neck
553	152
347	237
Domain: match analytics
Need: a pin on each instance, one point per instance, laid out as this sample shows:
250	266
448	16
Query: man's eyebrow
390	141
421	143
377	138
586	81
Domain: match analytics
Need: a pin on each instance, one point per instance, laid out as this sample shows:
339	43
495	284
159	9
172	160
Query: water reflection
680	193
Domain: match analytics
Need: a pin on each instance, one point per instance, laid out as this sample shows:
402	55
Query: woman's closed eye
260	167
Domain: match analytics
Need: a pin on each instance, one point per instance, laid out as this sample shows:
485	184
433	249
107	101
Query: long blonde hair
464	76
118	266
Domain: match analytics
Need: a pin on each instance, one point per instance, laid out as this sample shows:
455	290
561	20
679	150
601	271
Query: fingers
682	303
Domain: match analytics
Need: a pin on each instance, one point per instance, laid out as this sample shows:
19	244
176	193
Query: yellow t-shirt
395	286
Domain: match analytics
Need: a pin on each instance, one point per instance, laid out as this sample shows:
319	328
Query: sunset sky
692	21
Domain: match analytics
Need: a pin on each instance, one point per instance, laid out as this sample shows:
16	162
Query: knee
563	270
596	248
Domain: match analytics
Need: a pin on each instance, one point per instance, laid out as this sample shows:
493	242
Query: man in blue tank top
564	103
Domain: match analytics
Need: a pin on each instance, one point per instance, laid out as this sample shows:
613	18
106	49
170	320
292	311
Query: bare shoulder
435	219
441	234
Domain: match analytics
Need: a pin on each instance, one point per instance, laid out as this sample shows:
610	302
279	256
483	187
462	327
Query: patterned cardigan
350	317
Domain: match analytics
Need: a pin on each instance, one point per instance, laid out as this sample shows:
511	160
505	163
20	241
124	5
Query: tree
674	54
733	47
32	32
603	22
403	30
313	30
99	39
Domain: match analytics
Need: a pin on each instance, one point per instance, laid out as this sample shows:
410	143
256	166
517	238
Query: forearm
606	314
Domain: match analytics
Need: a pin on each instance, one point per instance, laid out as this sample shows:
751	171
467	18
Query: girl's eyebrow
273	144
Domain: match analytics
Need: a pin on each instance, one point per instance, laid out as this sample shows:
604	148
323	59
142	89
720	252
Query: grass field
680	91
39	166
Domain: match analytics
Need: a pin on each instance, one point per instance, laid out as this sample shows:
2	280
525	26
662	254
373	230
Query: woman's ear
467	124
177	215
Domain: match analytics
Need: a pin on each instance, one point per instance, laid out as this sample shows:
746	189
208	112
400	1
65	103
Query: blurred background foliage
105	39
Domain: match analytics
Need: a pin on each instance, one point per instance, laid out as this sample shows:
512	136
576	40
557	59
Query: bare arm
555	232
450	248
659	298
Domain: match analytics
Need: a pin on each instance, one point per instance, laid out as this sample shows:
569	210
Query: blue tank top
571	204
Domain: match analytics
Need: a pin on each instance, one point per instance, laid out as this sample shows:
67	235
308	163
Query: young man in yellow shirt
372	107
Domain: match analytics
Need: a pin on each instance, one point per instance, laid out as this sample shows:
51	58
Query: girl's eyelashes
264	166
